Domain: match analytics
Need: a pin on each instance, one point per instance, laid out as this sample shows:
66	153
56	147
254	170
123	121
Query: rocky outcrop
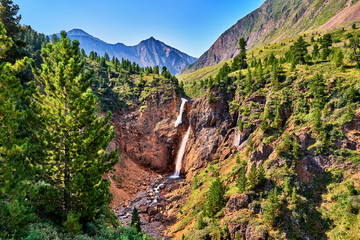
209	125
236	202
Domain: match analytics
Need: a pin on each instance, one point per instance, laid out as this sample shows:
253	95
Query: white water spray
180	155
237	138
179	118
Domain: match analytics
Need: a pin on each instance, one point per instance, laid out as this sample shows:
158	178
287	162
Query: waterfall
180	155
179	118
237	138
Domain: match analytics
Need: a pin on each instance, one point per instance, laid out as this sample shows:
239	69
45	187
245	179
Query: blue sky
191	26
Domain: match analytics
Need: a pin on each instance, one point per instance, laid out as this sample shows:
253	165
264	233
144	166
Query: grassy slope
332	205
277	49
274	21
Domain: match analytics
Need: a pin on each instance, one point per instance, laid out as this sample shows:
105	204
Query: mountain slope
273	21
150	52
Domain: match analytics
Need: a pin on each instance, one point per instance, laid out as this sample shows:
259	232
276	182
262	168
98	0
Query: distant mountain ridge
149	52
274	20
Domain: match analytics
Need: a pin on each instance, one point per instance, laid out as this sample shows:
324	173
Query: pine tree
242	54
156	70
76	138
252	176
300	50
277	120
241	182
316	119
355	45
135	220
295	148
339	58
264	122
201	223
260	175
240	125
215	197
294	196
315	52
16	173
106	57
11	22
317	89
260	73
286	186
326	43
271	209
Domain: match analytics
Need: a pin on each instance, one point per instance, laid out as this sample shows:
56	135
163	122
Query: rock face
236	202
149	136
209	124
274	20
150	52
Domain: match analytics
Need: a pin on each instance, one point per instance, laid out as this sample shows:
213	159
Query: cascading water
181	151
179	118
180	155
237	139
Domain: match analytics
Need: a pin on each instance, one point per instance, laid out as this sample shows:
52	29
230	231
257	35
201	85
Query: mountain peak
149	52
77	31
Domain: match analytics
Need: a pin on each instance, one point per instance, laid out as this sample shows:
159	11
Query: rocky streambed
153	202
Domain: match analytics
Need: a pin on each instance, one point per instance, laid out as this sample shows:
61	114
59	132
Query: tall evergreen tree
326	43
271	209
261	175
299	50
355	45
76	138
241	182
315	52
11	20
242	54
252	176
135	220
215	197
15	168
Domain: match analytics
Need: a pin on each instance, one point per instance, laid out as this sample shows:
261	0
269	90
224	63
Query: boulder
236	202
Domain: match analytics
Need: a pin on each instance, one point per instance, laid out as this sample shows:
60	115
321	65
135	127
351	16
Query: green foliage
295	148
315	53
211	98
299	50
76	138
354	43
201	224
326	43
242	54
271	209
240	125
16	166
135	220
196	182
294	197
241	182
248	81
252	176
215	197
260	175
11	22
72	223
